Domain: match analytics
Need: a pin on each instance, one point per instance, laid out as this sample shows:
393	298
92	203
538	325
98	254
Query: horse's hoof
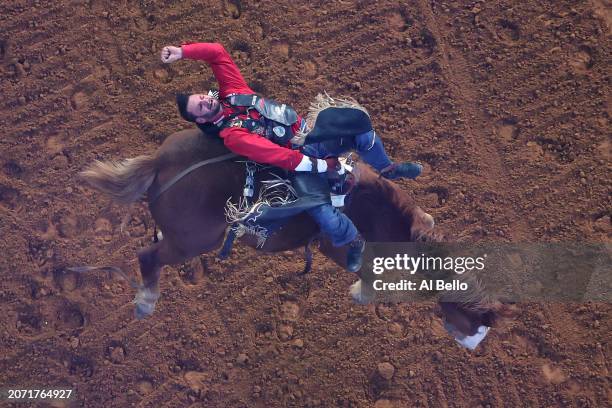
358	295
145	301
143	310
428	220
355	291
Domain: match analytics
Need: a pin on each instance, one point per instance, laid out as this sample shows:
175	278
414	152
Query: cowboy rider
273	149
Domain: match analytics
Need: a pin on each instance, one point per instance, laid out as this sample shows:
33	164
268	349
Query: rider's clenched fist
170	54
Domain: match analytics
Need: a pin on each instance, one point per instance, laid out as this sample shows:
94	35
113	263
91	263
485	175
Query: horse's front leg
361	291
422	223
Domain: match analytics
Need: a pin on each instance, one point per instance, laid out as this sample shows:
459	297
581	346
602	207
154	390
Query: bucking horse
187	183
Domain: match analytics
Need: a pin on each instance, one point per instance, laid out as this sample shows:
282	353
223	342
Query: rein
155	194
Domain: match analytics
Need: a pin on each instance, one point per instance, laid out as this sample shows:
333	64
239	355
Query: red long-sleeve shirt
240	140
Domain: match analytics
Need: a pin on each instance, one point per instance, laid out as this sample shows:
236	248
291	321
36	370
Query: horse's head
384	213
464	319
468	314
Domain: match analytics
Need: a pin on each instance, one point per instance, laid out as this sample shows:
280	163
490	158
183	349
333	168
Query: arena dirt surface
507	104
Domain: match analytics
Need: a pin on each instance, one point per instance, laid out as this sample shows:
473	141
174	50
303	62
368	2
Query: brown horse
191	212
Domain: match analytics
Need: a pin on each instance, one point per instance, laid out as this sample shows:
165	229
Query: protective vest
274	123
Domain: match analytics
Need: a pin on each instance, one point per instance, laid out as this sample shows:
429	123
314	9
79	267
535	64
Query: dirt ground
507	104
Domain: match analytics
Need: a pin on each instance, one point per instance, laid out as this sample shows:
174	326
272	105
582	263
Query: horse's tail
124	181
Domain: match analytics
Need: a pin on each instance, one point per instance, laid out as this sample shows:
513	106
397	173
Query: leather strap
155	194
315	165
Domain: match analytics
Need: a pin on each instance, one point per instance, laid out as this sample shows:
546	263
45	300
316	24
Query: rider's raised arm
225	70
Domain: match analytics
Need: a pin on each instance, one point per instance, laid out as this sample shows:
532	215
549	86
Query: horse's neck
378	208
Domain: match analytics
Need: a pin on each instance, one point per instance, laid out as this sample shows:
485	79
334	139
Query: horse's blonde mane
474	299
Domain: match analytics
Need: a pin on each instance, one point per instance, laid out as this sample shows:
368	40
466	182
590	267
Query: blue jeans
313	198
368	145
336	225
313	191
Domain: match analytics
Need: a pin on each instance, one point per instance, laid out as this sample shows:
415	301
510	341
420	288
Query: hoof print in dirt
116	352
81	366
145	23
241	52
39	251
582	60
70	317
399	21
431	158
78	100
508	30
12	169
281	50
507	129
232	8
163	75
192	272
310	69
426	41
9	197
144	386
29	321
65	280
439	195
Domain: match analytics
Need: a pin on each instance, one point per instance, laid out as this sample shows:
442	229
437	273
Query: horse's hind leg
151	260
